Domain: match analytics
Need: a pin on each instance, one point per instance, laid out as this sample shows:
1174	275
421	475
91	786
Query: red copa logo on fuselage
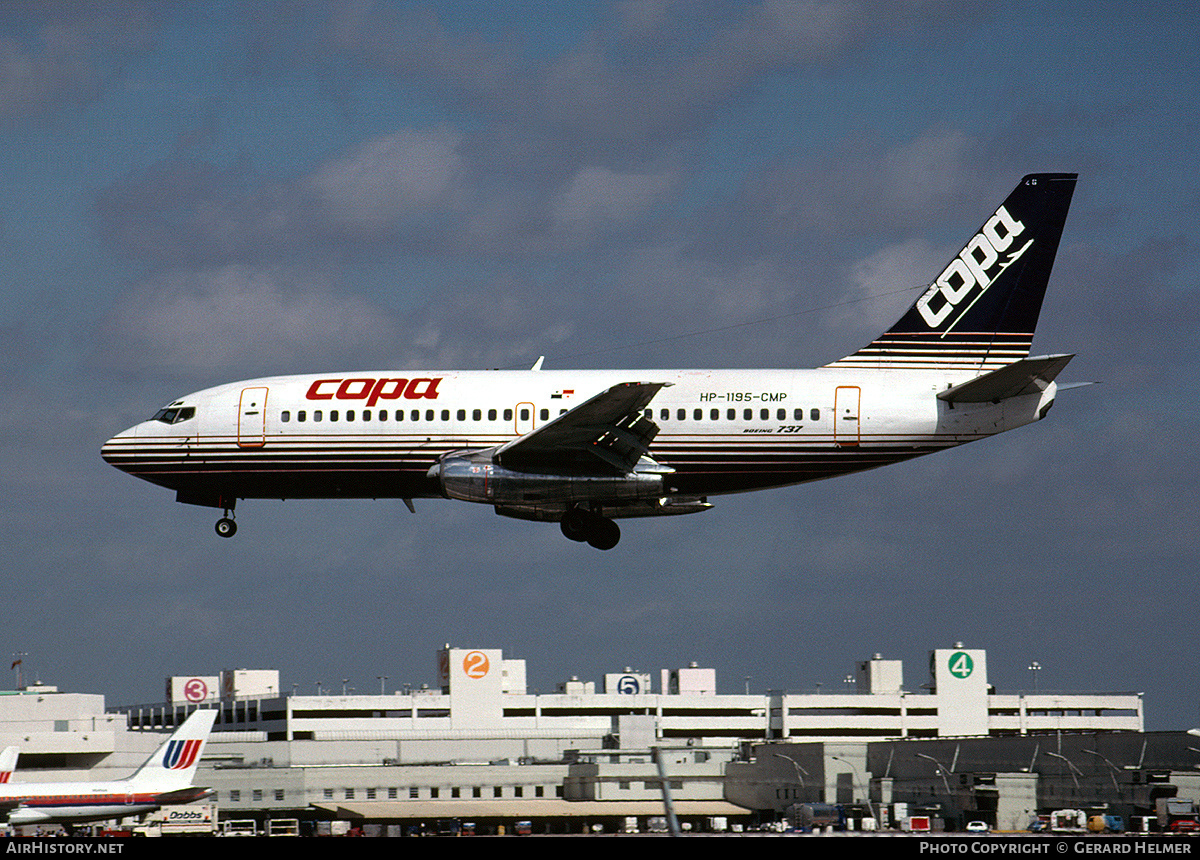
374	390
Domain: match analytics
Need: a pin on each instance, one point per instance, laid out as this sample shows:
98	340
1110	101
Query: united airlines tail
980	313
8	762
174	764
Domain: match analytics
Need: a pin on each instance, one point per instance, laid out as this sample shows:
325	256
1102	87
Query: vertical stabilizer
981	311
8	763
174	764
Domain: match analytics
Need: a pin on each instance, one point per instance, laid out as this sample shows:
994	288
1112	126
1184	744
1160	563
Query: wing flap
1027	376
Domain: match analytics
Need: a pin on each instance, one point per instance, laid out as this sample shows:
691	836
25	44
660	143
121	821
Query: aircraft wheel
604	534
226	527
574	525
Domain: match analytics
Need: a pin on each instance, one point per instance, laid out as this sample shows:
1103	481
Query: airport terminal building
478	745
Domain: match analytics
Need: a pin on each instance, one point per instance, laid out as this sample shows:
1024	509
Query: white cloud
598	195
235	317
883	285
388	177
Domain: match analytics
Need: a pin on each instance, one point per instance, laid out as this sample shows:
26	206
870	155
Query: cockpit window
174	414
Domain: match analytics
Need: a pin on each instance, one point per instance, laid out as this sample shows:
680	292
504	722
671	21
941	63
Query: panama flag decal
180	755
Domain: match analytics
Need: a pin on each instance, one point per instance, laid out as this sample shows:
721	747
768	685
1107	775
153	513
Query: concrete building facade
478	740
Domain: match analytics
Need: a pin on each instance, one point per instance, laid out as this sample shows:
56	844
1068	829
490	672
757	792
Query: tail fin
174	764
981	311
8	762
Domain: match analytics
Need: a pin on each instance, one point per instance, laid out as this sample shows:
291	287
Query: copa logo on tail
180	755
974	267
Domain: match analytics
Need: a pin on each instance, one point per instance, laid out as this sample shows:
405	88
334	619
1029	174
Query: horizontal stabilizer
1027	376
1073	385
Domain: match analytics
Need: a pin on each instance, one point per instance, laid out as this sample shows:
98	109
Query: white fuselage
378	434
66	802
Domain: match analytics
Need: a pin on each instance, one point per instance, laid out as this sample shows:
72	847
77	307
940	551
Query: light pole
1074	770
941	771
865	788
799	770
1034	668
1112	770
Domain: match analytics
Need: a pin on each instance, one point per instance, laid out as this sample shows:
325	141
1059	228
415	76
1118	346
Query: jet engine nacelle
478	479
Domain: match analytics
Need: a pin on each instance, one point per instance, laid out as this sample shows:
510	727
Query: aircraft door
524	416
846	402
252	418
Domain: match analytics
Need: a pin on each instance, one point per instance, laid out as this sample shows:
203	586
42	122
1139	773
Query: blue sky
195	193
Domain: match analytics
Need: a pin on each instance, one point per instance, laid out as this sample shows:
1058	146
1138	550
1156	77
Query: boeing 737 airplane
586	447
164	779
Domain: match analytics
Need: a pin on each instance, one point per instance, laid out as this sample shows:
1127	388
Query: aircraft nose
116	450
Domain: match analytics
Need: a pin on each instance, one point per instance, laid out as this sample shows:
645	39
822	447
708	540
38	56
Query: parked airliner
163	779
584	448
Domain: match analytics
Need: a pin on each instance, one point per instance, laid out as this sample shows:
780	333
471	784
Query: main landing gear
226	527
582	525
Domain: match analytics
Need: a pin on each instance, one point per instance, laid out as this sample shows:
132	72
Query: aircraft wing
1027	376
606	434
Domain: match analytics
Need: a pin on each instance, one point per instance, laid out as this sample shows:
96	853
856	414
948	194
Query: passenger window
301	415
508	413
316	415
462	415
333	415
748	414
764	414
445	414
698	414
715	414
428	414
285	416
524	414
545	415
491	415
681	414
665	414
815	415
476	414
731	414
349	414
798	415
781	414
367	414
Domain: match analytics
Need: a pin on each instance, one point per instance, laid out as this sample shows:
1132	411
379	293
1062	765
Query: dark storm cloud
650	72
60	55
189	210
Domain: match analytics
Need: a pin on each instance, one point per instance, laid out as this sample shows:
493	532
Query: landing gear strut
226	527
582	525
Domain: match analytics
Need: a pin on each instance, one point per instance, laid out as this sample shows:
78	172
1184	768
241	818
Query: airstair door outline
252	418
